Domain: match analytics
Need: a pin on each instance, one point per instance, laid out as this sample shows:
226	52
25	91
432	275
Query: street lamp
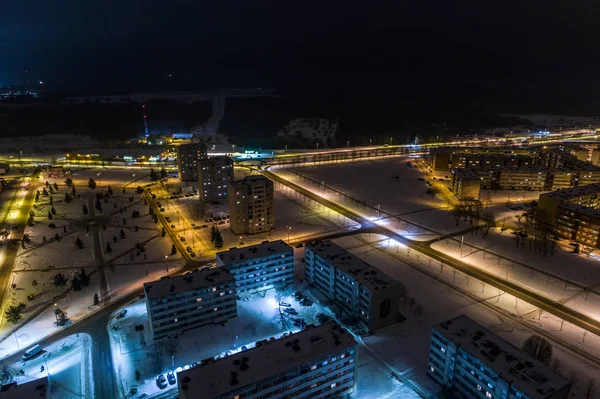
288	229
99	179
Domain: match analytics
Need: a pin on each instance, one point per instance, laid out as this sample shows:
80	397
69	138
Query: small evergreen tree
59	280
84	209
53	211
79	243
153	175
37	195
173	250
108	248
122	234
55	186
110	191
68	198
49	215
91	183
45	192
68	182
96	299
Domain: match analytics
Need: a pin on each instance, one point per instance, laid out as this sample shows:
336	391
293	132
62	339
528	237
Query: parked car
290	311
171	377
204	226
161	381
168	219
221	222
121	314
189	249
193	254
32	352
285	304
162	209
172	226
299	245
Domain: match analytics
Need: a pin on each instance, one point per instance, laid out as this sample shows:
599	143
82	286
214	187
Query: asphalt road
541	302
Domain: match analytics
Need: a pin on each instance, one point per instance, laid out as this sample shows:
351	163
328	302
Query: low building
472	362
194	299
359	291
251	205
214	176
466	183
36	389
259	267
317	363
55	172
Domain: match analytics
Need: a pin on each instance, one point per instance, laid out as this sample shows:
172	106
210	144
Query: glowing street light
288	231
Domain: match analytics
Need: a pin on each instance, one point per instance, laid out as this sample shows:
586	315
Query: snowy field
67	365
389	185
440	294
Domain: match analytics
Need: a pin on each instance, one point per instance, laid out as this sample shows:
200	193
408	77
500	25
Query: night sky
135	45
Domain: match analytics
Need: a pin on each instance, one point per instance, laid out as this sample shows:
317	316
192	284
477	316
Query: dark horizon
114	47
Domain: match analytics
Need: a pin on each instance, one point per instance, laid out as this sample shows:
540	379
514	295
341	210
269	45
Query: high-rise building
251	205
194	299
187	160
36	389
259	267
472	362
317	363
214	176
358	290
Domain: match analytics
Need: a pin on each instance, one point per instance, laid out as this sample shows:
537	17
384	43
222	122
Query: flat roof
466	173
530	376
244	254
566	194
32	389
197	279
213	378
587	210
352	265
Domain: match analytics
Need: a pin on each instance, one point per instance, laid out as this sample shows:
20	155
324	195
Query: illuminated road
537	300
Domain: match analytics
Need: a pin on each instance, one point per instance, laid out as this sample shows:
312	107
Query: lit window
175	320
324	363
478	387
489	395
443	350
314	366
333	385
198	299
214	289
432	369
216	309
221	294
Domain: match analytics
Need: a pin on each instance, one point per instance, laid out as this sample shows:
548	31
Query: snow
67	363
436	301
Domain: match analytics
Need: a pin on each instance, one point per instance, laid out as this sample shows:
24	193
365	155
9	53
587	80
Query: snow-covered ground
390	185
67	364
440	294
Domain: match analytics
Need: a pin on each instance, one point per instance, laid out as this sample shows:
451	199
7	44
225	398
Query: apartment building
466	183
472	362
251	205
36	389
259	267
358	290
316	363
177	304
187	160
572	214
214	176
442	159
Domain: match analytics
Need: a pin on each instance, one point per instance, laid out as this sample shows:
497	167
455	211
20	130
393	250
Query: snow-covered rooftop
31	389
574	192
266	248
529	375
582	209
466	174
197	279
352	265
214	377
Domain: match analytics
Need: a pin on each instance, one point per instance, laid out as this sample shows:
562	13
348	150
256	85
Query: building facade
251	205
214	176
316	363
192	300
466	183
259	267
472	362
187	160
358	290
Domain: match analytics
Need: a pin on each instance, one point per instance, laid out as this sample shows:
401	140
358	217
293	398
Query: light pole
370	141
288	231
99	179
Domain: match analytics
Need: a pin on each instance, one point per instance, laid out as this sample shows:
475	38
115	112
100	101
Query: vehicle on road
121	314
193	254
189	249
32	352
285	304
161	381
182	238
171	378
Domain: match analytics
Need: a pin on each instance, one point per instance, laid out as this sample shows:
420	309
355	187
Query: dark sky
133	45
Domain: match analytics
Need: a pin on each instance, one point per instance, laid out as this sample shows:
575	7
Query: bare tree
574	379
539	348
555	365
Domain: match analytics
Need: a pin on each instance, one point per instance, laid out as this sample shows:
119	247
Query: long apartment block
201	297
473	363
259	267
358	290
316	363
572	214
